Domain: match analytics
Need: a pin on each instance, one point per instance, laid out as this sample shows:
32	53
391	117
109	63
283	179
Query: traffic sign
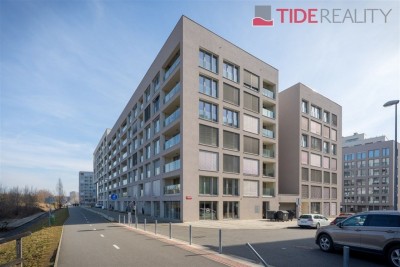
114	196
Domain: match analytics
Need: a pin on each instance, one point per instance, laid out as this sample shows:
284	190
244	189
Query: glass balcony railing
172	166
173	117
270	192
172	141
268	133
268	113
268	93
173	92
171	69
268	153
269	172
172	189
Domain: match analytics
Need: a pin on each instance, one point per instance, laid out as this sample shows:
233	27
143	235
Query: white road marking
102	235
115	246
94	229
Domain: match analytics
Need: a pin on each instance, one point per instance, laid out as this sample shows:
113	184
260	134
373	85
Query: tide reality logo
263	16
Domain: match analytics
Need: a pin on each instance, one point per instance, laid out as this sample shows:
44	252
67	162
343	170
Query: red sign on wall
188	197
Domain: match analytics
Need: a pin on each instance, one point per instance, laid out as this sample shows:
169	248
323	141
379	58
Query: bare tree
60	193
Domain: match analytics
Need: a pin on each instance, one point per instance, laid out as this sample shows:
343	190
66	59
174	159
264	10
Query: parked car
376	232
339	219
98	205
312	220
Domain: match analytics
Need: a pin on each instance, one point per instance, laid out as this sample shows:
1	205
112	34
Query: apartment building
310	161
199	137
87	192
368	171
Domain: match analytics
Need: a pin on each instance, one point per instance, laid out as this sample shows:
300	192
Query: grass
40	248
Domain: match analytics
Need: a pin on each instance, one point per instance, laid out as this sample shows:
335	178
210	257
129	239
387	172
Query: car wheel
394	256
325	243
318	226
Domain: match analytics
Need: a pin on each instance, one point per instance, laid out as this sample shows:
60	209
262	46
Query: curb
59	246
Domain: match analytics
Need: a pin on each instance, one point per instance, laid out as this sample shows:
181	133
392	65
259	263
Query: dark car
338	219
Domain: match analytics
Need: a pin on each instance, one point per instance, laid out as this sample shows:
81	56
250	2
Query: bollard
136	222
144	227
220	241
155	227
170	230
190	234
124	219
346	252
119	218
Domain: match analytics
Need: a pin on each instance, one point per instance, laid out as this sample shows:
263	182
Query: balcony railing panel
268	113
173	141
173	92
172	189
171	69
268	133
173	117
268	93
172	166
268	153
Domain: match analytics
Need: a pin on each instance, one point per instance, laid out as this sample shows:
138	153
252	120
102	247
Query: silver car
375	232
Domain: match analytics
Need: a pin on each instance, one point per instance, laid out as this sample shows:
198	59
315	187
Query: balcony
172	166
171	93
268	133
173	117
172	189
269	172
268	192
172	141
171	69
268	93
268	153
268	113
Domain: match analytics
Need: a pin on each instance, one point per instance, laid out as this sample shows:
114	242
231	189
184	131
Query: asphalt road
89	240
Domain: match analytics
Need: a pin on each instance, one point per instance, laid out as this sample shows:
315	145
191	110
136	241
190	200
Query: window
325	162
147	94
325	147
304	174
156	145
327	177
231	140
208	86
250	188
148	170
231	187
316	143
156	125
348	157
231	163
208	161
231	118
208	111
333	164
251	102
334	120
333	149
250	167
304	157
361	155
326	132
147	113
231	71
156	82
208	61
231	209
250	124
148	151
315	160
315	112
157	169
326	117
333	134
315	127
231	94
304	140
148	132
251	145
208	135
304	123
208	185
251	80
156	104
385	152
304	106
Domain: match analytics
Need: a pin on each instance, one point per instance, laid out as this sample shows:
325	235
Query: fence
18	246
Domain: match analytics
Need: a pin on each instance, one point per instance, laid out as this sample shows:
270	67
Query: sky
68	68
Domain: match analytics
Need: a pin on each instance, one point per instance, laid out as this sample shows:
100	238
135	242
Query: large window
208	185
250	188
251	124
304	106
231	187
231	118
208	161
208	135
251	145
385	152
326	117
231	94
208	111
315	112
304	140
208	86
208	61
316	143
231	209
208	210
231	140
250	167
251	102
231	71
251	80
231	163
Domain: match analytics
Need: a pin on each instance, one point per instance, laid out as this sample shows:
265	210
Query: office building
368	171
310	161
87	192
199	136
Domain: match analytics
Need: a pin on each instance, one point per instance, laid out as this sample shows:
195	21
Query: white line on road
115	246
94	229
102	235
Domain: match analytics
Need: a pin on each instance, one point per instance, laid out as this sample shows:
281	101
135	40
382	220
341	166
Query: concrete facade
368	171
310	162
87	192
199	137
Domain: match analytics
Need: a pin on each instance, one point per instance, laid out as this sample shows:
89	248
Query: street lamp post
396	180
